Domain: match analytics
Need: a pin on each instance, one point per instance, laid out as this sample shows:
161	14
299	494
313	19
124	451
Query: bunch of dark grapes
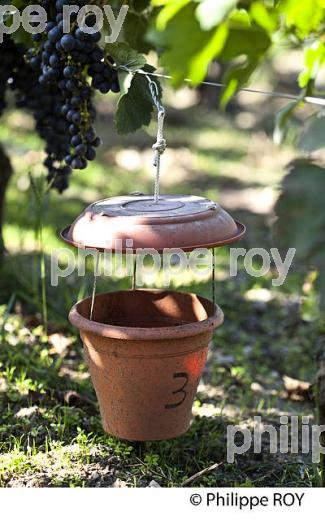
55	80
44	102
65	64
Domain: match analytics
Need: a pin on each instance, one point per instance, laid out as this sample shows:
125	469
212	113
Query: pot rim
241	230
141	333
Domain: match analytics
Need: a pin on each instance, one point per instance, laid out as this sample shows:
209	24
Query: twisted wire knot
160	146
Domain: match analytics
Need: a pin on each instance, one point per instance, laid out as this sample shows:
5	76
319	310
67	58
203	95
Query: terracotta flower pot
146	350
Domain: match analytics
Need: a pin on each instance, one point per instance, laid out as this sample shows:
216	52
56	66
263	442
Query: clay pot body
146	350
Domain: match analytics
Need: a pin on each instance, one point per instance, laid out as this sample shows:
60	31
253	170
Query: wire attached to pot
93	294
213	277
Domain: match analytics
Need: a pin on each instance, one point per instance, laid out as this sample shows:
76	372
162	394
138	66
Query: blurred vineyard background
263	360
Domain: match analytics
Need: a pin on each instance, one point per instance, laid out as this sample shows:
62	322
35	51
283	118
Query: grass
50	430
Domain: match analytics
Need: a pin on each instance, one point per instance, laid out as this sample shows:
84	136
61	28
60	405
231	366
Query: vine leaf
124	55
282	121
135	107
234	78
218	30
125	80
170	9
140	5
179	52
211	13
135	28
312	138
301	218
314	57
237	46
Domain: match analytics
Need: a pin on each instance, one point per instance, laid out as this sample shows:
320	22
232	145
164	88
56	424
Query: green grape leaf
210	13
217	31
305	16
282	120
197	72
125	80
187	57
134	30
313	136
314	58
244	40
265	18
140	5
301	217
234	78
135	108
171	8
124	55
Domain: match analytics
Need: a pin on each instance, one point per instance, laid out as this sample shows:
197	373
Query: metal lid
130	222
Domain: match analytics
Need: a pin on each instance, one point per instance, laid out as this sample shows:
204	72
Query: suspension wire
160	145
307	99
213	278
134	272
93	294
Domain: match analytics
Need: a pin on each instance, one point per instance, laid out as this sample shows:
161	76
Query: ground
50	430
